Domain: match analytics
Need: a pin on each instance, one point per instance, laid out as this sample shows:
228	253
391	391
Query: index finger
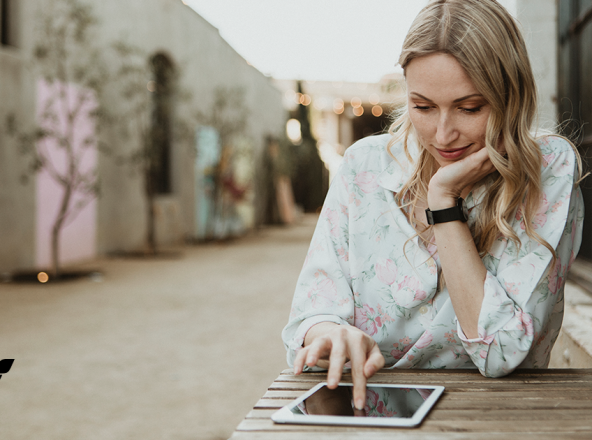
358	361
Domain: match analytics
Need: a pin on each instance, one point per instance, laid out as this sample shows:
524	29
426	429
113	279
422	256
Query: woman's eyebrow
456	100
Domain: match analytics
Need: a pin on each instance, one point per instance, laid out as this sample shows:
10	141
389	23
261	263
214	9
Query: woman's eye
418	107
472	110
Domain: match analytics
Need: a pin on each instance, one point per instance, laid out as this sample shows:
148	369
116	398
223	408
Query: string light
377	110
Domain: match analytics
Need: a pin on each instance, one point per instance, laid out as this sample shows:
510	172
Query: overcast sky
334	40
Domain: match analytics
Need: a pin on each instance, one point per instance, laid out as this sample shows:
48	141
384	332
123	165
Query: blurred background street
163	349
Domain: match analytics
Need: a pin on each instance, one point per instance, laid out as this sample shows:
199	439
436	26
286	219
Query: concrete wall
17	200
205	60
538	19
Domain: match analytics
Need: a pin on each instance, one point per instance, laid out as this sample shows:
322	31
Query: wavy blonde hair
483	37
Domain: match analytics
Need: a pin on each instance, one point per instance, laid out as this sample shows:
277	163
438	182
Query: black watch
447	215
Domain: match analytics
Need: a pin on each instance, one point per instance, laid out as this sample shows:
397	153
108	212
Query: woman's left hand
448	183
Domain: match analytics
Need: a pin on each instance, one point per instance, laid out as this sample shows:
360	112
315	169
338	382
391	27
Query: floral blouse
365	268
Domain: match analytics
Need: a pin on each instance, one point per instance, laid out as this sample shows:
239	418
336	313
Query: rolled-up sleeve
523	288
323	291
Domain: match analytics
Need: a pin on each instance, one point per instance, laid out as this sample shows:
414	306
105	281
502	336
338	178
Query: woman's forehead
438	77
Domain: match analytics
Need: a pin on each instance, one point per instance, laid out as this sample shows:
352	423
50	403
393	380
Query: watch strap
447	215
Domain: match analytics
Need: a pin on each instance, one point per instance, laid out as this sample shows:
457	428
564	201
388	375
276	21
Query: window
161	130
5	22
575	90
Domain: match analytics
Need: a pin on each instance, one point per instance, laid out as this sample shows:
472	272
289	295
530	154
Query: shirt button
423	310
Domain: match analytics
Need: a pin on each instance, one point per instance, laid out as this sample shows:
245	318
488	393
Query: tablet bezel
285	414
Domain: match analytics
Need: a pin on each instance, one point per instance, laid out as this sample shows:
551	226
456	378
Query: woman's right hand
330	345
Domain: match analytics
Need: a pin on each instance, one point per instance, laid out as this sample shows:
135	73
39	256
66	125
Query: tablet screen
380	402
386	405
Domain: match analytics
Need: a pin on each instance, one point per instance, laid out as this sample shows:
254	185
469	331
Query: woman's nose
446	132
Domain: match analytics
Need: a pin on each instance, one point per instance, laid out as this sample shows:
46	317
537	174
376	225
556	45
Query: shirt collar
398	171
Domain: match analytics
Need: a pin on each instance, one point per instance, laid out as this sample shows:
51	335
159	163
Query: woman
383	286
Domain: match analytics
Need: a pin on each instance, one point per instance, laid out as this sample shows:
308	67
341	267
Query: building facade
191	46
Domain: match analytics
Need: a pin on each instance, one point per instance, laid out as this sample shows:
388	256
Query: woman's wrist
437	200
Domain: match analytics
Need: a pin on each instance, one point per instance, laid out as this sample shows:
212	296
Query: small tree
74	76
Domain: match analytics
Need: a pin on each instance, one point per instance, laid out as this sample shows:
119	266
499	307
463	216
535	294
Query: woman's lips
453	154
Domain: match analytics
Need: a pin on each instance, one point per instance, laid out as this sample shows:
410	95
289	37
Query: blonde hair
483	37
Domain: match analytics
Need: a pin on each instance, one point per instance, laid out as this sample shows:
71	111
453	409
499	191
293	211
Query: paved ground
168	349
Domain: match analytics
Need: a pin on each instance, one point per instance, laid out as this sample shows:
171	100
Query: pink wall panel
78	238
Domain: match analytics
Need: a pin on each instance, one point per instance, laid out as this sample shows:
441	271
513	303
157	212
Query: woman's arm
463	269
521	296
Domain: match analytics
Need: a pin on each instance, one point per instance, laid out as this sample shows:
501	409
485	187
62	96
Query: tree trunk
57	229
151	226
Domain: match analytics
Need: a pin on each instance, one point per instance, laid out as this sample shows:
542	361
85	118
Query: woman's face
448	113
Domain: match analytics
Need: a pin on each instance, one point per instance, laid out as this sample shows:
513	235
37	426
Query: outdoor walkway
173	349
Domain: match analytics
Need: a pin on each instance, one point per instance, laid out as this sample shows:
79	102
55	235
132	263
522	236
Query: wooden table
543	404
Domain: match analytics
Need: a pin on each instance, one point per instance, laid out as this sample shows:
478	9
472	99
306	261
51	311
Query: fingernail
332	382
359	403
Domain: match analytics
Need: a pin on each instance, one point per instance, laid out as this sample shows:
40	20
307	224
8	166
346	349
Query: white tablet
386	405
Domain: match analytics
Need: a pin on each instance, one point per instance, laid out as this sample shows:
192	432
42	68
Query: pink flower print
397	354
366	181
483	354
571	260
525	323
520	217
556	206
371	398
366	320
555	281
406	340
409	291
343	209
333	221
323	293
381	409
410	357
512	288
547	159
450	336
386	271
425	340
540	218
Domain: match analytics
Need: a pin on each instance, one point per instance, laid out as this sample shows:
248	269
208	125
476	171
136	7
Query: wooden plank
550	372
270	403
436	379
580	408
544	416
430	426
516	402
401	434
283	394
260	413
469	387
